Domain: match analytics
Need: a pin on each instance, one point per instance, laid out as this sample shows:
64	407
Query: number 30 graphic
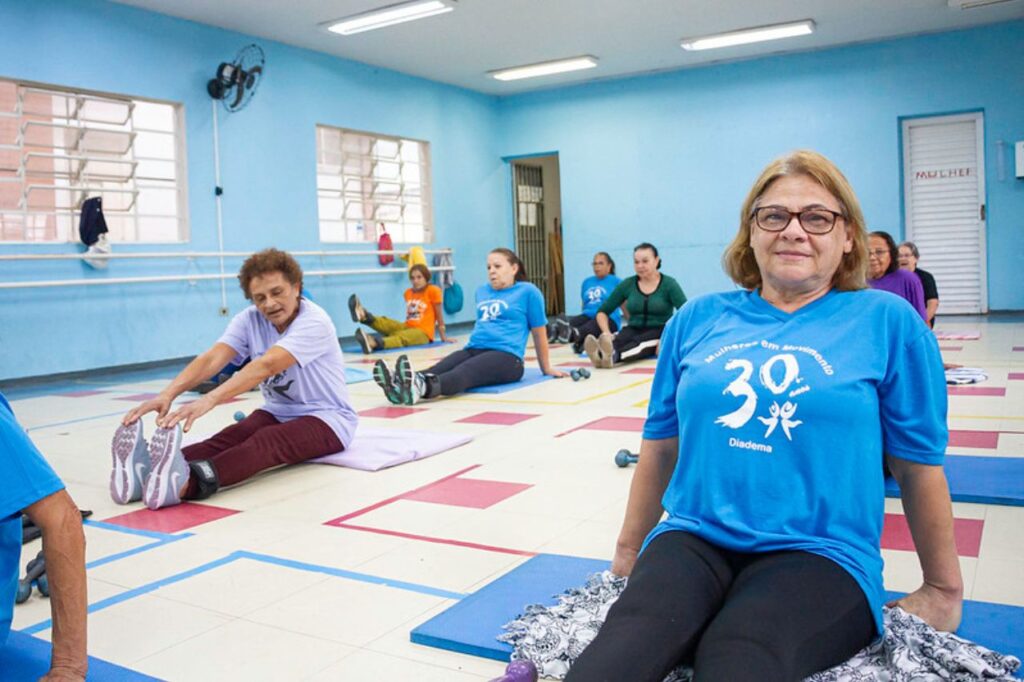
740	386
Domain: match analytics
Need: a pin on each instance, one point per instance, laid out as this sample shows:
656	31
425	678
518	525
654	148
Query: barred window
365	179
59	147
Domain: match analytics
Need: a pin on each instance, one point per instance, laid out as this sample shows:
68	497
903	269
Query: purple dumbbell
518	671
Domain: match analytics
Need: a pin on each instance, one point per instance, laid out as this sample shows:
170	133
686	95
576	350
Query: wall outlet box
1018	155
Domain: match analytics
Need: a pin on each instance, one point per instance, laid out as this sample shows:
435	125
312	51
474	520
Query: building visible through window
364	179
59	147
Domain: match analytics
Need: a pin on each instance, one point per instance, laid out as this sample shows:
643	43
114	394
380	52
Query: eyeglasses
878	253
813	220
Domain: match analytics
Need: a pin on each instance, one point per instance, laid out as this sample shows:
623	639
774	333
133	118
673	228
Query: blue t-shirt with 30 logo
783	418
593	292
504	317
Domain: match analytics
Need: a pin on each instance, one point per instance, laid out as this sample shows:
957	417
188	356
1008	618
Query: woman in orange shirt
422	313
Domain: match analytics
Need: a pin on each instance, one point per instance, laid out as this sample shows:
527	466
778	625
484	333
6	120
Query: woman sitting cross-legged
770	412
422	312
650	298
508	310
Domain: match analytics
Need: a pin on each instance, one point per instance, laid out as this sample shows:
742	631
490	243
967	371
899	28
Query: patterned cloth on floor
552	637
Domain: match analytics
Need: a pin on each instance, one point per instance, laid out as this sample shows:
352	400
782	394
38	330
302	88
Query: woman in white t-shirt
296	361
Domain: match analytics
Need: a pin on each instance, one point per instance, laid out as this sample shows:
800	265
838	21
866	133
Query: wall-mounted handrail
196	277
199	254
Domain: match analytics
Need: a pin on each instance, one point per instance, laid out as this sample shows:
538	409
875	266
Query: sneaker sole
168	470
364	343
403	368
127	472
591	349
606	351
382	378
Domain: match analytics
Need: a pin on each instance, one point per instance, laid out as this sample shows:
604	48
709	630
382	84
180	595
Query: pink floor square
974	439
502	418
977	390
467	492
1016	376
138	397
1018	349
576	363
171	519
390	412
81	394
966	534
951	347
639	370
632	424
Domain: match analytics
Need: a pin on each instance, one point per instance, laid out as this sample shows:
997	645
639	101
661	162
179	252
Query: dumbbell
35	572
623	458
518	671
579	373
239	416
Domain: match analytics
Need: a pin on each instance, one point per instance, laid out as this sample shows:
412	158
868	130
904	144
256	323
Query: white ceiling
627	36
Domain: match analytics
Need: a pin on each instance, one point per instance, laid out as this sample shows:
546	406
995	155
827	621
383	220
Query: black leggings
587	326
472	367
732	616
636	343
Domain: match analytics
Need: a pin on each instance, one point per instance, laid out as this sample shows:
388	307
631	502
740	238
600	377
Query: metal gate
531	236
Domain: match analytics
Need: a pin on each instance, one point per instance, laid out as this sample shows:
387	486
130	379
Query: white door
944	200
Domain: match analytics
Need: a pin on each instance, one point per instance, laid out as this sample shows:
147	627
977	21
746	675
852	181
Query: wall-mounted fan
236	82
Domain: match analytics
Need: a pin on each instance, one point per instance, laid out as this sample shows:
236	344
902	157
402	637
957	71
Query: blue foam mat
356	350
25	659
471	625
531	376
986	480
355	375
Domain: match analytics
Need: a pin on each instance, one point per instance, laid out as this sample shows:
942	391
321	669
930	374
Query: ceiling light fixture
545	68
749	35
389	16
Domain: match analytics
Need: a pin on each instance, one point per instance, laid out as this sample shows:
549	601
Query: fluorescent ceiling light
545	68
389	16
750	35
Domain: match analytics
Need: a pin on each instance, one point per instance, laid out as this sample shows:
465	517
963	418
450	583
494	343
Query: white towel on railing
444	278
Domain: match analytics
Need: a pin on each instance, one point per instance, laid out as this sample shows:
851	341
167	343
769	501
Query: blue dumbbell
518	671
579	373
35	574
623	458
239	416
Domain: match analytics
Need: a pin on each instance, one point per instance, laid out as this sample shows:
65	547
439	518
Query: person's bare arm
439	316
58	518
929	512
274	361
199	370
602	323
931	306
654	469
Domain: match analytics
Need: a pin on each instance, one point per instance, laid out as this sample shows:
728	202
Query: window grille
59	147
365	179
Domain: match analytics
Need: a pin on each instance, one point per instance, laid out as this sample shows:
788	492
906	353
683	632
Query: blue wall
668	158
268	169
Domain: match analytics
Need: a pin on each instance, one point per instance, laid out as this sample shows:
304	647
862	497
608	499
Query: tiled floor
256	585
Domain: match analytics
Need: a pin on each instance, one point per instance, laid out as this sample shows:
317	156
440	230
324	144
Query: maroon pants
260	442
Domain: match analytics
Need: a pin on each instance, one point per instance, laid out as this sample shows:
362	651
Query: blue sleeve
912	400
662	418
26	476
535	316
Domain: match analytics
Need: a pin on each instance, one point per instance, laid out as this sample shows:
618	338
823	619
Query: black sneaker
356	309
382	376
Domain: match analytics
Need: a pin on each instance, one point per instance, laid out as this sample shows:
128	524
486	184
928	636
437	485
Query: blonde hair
738	260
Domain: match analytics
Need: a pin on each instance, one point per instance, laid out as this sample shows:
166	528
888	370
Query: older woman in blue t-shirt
770	412
593	292
508	311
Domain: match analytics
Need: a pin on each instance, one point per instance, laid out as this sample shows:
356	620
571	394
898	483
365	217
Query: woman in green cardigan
651	298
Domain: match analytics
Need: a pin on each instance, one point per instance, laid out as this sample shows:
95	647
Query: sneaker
592	350
606	350
168	469
131	463
356	309
366	341
411	385
388	384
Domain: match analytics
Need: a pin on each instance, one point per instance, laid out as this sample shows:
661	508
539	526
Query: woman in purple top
296	362
884	272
